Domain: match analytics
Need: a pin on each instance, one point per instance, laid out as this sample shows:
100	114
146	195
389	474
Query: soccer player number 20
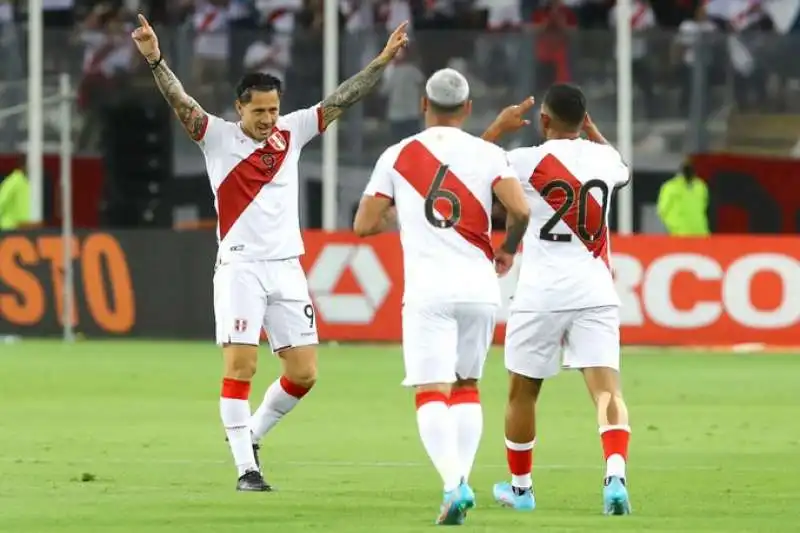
435	193
582	197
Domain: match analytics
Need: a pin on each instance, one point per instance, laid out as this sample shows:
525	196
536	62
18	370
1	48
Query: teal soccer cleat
615	497
455	505
506	496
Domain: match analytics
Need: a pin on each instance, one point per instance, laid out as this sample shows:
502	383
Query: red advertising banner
702	292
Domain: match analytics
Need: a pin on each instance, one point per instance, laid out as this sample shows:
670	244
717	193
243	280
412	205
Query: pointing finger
143	22
527	103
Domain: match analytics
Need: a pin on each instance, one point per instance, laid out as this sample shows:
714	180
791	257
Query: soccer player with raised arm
565	303
441	182
258	281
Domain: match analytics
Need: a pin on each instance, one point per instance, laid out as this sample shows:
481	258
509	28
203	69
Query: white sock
465	408
281	397
234	409
437	429
615	466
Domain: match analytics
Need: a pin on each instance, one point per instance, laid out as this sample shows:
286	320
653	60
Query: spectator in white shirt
743	19
212	50
402	85
269	57
693	34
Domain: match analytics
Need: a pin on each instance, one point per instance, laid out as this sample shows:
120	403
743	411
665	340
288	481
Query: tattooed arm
360	85
189	112
353	90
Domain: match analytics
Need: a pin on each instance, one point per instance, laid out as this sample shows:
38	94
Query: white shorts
269	294
588	338
446	341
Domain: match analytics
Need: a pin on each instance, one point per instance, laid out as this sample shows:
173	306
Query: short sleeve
619	172
518	161
504	169
304	124
380	182
212	135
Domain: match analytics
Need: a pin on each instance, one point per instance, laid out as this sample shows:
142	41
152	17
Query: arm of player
375	214
193	118
360	85
509	192
593	134
509	120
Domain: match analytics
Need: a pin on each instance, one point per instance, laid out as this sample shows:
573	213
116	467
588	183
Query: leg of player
520	432
299	366
240	367
476	323
612	418
292	331
430	357
439	435
465	408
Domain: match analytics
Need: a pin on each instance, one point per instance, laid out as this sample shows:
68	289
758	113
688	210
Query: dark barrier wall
145	283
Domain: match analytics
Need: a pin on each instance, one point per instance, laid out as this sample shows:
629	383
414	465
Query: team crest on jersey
269	161
277	141
240	325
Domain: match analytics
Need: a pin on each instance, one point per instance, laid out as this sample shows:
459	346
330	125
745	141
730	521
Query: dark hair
439	109
256	82
566	103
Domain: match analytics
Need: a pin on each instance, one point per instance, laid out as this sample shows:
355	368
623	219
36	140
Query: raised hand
509	120
397	40
146	40
513	118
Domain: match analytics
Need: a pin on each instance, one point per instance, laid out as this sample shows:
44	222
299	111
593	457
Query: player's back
566	249
443	180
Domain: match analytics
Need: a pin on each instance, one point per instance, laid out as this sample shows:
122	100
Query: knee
523	389
240	367
300	366
306	377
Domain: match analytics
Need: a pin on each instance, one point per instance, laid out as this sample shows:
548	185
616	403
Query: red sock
235	389
520	463
615	440
615	449
464	395
293	389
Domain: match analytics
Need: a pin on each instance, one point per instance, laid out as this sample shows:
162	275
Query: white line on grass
387	464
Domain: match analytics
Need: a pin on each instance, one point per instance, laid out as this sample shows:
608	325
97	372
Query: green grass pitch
125	437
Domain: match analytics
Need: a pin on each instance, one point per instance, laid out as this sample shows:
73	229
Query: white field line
386	464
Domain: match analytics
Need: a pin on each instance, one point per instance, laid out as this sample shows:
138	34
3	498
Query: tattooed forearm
515	231
189	112
352	90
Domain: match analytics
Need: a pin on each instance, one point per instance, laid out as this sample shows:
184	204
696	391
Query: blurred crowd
216	40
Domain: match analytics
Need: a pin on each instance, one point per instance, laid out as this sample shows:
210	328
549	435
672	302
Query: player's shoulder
218	132
526	158
391	154
298	117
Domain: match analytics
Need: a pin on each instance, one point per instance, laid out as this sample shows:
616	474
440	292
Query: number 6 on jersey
436	193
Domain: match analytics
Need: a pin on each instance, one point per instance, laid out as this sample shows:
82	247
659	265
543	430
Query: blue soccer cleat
505	495
615	497
455	505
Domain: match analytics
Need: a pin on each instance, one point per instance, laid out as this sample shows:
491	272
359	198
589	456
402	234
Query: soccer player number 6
435	193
